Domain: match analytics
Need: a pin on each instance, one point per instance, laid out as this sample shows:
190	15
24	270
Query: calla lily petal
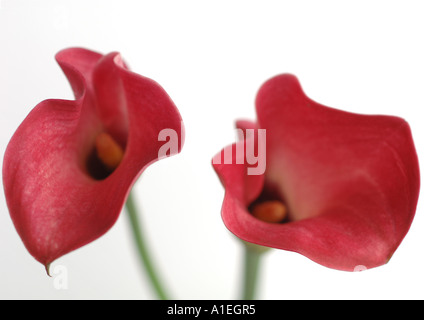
350	181
58	198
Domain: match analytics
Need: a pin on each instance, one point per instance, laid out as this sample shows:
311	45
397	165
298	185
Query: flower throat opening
105	157
269	207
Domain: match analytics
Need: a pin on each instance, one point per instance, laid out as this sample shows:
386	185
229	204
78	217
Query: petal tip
47	267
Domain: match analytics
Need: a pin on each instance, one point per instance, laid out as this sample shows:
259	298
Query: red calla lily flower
347	184
70	165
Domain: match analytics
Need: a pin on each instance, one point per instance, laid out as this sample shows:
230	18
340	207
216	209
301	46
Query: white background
211	57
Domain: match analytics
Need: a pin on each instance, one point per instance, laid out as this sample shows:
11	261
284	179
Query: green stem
142	249
252	259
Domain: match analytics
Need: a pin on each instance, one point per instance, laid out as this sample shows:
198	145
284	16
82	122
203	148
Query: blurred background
211	57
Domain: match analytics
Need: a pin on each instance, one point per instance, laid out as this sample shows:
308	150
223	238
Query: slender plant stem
142	249
252	259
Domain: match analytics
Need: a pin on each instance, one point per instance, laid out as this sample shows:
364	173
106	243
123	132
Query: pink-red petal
55	204
351	181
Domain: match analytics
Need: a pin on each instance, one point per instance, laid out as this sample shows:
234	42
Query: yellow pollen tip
108	151
270	211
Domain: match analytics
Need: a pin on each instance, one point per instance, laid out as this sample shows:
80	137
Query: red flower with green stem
69	167
339	188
